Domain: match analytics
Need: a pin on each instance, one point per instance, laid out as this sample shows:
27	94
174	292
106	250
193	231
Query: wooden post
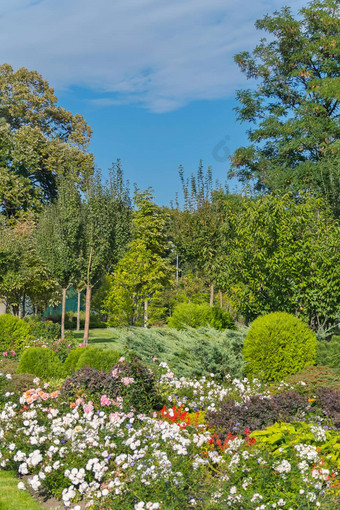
63	307
87	314
212	294
78	311
146	317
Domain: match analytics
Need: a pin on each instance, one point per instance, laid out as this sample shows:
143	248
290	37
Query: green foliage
286	257
294	110
98	359
277	345
39	142
198	315
41	362
143	271
43	329
315	377
328	353
189	353
14	333
287	435
73	358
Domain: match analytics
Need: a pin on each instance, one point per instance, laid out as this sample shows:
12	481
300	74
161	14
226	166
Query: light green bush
14	333
328	353
73	358
41	362
98	359
200	315
278	345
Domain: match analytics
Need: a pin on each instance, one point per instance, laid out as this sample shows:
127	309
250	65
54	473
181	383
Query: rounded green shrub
72	359
98	359
200	315
41	362
278	345
14	333
43	329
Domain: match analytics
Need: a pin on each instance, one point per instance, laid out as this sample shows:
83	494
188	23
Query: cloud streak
158	54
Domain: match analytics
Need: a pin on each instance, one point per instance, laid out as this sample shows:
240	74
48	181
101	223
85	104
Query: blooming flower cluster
108	457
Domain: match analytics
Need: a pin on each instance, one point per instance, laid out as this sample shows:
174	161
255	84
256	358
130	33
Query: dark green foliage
73	358
142	393
293	113
328	353
257	413
41	362
92	382
43	329
197	315
277	345
14	333
97	358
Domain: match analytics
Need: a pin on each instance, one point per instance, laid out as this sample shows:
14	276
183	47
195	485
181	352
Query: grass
11	498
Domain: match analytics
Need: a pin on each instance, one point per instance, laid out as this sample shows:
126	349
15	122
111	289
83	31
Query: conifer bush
41	362
14	333
278	345
198	315
98	359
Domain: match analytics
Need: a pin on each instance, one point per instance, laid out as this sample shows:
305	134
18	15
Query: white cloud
161	54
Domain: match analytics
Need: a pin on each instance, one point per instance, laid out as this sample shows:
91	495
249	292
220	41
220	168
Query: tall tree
197	231
59	238
22	272
144	270
294	111
39	143
107	227
286	257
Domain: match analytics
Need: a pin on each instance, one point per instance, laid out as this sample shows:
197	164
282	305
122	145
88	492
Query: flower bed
102	451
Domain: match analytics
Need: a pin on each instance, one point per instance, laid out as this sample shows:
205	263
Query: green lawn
103	337
11	498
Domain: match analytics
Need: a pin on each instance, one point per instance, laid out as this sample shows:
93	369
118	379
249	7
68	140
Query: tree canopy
39	143
294	111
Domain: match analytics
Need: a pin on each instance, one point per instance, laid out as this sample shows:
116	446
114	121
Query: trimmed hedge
196	316
14	333
41	362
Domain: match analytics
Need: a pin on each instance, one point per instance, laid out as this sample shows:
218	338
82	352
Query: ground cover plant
189	352
102	442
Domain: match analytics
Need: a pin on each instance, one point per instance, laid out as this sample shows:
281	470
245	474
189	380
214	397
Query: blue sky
154	78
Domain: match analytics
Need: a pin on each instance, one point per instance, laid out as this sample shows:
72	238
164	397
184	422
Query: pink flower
127	380
88	408
154	358
121	359
81	345
13	352
114	417
4	354
115	373
104	400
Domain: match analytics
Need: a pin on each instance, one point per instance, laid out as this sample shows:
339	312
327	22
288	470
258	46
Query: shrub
97	358
72	359
43	329
142	392
41	362
197	315
328	400
257	413
315	377
14	333
94	383
328	353
277	345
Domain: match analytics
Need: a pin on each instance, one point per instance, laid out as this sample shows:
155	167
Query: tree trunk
63	307
78	311
146	316
87	314
23	305
212	294
221	299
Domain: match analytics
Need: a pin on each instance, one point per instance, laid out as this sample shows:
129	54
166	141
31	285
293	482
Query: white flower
21	486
